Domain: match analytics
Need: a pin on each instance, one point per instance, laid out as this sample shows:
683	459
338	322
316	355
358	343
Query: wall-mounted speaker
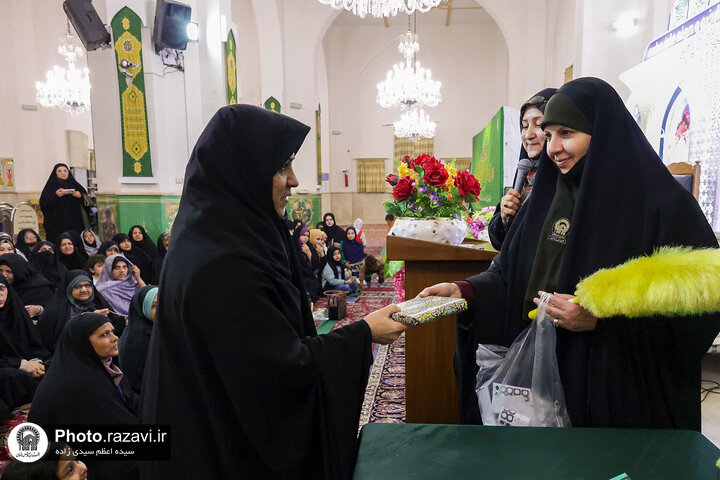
87	24
171	21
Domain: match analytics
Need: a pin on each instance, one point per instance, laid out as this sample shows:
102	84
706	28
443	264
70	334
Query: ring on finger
556	322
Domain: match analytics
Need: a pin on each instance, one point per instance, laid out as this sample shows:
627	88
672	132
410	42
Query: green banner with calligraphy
126	28
487	161
231	69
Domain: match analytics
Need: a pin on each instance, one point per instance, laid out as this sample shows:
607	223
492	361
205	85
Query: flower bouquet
430	200
426	188
478	222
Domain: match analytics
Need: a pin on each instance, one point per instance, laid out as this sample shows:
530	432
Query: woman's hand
34	310
102	311
509	205
446	289
306	250
350	281
384	329
567	314
136	272
59	192
76	194
35	369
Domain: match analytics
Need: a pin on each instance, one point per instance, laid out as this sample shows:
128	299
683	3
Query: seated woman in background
90	242
59	462
109	247
137	257
316	243
118	282
43	258
69	253
333	277
304	253
163	241
353	251
26	240
75	295
33	288
85	386
22	354
6	245
143	245
135	340
334	232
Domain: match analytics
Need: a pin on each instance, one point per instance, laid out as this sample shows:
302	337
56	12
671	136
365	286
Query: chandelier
410	88
414	124
66	89
408	83
382	8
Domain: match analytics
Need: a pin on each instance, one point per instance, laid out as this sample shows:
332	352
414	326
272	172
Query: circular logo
27	442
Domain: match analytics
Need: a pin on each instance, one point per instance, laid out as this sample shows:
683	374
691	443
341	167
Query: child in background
333	277
373	264
95	265
359	231
353	251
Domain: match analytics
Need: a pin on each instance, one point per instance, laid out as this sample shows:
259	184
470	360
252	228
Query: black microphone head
523	168
525	164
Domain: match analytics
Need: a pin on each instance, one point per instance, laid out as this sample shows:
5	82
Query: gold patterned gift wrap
418	311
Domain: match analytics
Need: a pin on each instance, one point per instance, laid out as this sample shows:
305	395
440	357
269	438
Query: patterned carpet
385	393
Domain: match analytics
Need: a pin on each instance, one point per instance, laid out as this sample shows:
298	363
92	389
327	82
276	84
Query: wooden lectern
430	387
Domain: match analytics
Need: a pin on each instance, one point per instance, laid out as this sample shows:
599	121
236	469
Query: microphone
523	168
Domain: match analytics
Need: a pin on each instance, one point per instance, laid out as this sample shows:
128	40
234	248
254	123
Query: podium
430	387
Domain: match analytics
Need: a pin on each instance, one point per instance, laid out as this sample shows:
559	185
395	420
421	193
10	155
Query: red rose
404	188
392	179
421	160
435	174
467	184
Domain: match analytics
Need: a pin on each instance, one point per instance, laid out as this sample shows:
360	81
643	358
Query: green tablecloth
446	452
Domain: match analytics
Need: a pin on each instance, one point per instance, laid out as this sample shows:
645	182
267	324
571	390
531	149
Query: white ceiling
463	12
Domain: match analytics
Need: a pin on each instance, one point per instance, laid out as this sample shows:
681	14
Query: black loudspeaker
87	24
171	21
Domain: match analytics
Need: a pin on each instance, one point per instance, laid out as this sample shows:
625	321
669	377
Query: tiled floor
711	404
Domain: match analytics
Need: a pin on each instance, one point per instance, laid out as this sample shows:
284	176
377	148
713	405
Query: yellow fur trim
672	281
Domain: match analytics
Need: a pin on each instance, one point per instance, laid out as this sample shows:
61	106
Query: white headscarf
358	229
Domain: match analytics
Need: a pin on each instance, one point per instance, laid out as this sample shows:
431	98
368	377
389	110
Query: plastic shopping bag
521	386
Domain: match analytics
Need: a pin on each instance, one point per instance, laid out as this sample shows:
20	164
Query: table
447	452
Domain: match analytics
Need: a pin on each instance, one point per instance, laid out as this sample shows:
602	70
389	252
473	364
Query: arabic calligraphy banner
126	27
231	69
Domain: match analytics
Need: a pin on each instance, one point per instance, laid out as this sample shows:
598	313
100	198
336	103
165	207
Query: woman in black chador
533	144
22	354
62	204
85	386
601	197
235	365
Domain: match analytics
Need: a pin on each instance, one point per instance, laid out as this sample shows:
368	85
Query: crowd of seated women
75	322
333	258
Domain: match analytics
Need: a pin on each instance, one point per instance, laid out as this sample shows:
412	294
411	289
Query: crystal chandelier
382	8
408	84
68	90
414	124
